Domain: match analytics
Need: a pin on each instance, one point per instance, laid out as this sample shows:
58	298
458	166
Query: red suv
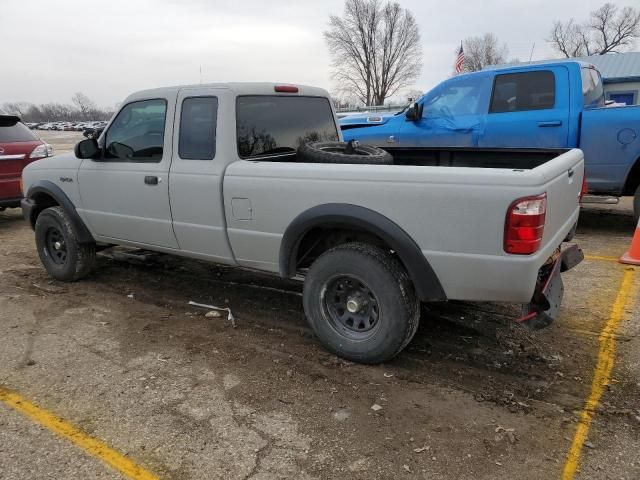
18	147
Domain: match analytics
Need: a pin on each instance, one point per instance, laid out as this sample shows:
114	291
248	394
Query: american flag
460	60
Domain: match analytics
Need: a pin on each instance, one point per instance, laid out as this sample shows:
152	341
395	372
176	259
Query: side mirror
413	113
87	148
120	150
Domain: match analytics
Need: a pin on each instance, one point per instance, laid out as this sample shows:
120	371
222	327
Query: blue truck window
592	90
516	92
456	97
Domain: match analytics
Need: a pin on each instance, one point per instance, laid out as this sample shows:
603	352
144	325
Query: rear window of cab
271	125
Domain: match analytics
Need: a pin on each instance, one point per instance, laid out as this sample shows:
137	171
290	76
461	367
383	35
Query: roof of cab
238	88
547	63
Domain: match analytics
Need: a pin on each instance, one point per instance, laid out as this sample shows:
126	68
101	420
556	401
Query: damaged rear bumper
549	291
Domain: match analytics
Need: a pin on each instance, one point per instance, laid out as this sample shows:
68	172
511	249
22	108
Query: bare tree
413	94
82	109
375	49
85	105
18	108
480	52
609	29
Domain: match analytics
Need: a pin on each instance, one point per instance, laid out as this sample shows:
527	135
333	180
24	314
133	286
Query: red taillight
286	88
524	225
585	187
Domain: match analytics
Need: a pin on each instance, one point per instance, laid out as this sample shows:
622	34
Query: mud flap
546	301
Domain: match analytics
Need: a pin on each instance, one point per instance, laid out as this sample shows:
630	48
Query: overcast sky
50	49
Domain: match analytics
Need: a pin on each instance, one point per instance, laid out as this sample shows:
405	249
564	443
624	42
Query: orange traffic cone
632	257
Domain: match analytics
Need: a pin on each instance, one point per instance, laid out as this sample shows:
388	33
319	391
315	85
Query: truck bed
507	158
455	215
511	158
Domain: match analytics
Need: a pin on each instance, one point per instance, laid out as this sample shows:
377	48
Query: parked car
551	105
18	147
372	233
93	132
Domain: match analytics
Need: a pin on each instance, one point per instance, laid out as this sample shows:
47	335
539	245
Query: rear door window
516	92
198	128
12	131
271	125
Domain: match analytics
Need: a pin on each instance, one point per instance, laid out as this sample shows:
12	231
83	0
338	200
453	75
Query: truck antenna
532	48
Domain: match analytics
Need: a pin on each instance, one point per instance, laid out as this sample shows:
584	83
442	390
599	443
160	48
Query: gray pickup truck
255	175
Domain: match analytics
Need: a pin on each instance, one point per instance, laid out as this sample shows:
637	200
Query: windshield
271	124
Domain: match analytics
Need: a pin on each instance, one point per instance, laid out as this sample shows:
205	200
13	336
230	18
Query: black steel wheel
343	152
62	255
56	245
361	303
351	307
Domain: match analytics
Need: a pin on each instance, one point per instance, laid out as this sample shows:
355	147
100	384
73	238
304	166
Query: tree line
81	108
376	50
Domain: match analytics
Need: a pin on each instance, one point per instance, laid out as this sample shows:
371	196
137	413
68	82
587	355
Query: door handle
151	180
552	123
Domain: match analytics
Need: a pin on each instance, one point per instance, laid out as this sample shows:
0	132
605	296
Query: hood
64	161
365	120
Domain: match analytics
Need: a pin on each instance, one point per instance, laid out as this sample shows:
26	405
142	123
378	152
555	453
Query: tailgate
563	176
13	159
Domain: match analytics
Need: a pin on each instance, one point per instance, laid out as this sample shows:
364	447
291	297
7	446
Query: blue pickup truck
551	105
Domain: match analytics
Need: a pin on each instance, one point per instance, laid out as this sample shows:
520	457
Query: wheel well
41	201
320	239
633	179
325	226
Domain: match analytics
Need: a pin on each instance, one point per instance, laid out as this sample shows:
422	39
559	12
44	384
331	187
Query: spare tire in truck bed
343	152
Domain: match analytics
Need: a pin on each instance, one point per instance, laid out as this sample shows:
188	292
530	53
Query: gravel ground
122	356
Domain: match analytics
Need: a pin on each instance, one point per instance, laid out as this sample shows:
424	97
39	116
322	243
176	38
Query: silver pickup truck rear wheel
360	303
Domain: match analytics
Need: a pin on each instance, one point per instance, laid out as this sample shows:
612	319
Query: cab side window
457	97
137	133
517	92
198	128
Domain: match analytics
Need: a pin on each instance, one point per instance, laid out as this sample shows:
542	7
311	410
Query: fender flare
425	281
31	209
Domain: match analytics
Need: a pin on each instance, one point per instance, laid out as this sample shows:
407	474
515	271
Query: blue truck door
452	114
528	110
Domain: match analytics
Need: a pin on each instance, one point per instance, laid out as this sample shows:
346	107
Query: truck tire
62	256
361	303
636	206
343	152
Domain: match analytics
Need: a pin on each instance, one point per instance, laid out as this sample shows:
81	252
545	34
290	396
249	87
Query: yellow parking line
602	372
601	258
64	429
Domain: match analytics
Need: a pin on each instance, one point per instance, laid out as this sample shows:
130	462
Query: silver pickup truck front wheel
360	303
64	258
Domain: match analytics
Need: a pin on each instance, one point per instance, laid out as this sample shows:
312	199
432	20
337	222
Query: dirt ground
123	356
